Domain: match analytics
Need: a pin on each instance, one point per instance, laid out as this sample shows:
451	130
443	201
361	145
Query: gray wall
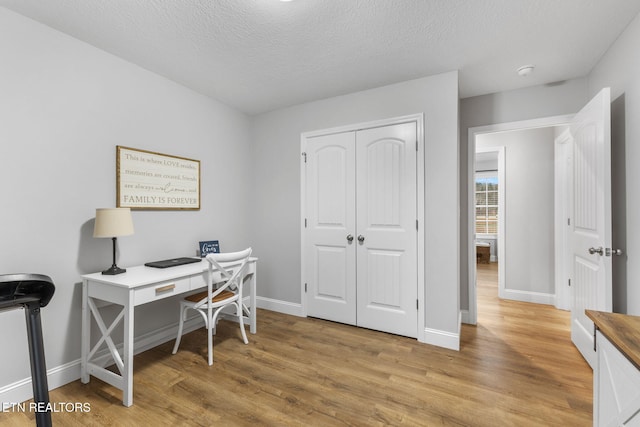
524	104
64	106
620	69
528	214
276	158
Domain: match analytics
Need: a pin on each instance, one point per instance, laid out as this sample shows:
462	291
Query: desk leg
127	374
86	333
253	324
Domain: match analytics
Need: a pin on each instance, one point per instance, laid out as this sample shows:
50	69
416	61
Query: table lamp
113	222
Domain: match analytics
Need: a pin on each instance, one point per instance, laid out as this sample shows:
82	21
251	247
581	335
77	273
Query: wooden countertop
622	330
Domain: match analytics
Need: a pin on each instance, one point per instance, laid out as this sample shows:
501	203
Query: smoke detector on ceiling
525	70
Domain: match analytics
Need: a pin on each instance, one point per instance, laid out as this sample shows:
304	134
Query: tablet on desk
172	262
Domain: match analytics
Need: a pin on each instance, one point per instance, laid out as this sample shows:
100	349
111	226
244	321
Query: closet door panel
330	207
386	214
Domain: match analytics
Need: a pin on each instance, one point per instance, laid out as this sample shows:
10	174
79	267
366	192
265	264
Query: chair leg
180	326
241	321
210	328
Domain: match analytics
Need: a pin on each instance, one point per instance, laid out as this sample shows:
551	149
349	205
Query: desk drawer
161	290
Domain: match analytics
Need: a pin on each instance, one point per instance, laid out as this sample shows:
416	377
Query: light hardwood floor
517	367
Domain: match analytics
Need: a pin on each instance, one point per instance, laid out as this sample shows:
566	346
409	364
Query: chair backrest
233	275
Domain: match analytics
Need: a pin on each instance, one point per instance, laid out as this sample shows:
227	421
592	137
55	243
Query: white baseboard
22	390
526	296
284	307
465	317
443	339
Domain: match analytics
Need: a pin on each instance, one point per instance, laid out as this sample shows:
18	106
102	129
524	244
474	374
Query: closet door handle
609	252
360	238
350	238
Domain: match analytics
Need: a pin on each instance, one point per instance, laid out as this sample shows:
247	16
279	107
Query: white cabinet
616	387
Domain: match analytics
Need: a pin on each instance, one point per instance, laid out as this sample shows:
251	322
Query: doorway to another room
489	184
514	175
489	220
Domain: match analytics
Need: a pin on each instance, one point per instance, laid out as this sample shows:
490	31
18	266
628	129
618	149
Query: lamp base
113	270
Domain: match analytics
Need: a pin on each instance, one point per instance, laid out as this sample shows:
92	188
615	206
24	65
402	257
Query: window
486	203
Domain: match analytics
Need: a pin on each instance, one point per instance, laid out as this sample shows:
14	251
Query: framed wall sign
148	180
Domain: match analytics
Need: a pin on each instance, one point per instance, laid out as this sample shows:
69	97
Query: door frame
471	316
420	200
563	199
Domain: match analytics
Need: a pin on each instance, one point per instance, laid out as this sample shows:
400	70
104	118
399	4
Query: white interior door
591	219
386	229
329	254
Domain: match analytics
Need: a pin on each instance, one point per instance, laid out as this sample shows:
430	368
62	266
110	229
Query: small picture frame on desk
209	247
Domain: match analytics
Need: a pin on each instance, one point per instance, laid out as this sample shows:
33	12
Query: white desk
139	285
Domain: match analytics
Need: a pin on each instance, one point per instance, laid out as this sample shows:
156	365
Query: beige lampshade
113	222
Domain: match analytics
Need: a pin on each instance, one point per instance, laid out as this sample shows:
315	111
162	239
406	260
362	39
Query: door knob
598	251
350	238
609	252
360	238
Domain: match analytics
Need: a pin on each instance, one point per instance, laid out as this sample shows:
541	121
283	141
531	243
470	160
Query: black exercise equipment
31	291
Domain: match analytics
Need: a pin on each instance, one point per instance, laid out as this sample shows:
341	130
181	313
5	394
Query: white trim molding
285	307
22	390
464	316
526	296
443	339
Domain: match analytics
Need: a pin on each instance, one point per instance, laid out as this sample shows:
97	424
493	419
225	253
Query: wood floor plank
517	367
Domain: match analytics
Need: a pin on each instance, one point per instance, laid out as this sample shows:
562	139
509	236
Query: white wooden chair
211	302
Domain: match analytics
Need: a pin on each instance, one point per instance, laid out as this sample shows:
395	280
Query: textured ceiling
259	55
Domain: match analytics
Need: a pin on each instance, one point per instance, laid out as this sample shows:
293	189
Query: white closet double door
361	233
